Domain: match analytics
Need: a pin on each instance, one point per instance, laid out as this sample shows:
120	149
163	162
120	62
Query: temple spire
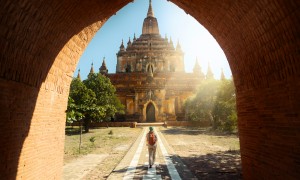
122	48
122	44
103	69
171	42
150	11
134	38
92	69
209	73
197	69
150	25
78	75
222	75
178	47
129	42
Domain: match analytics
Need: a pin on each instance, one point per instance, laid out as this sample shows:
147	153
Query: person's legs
150	150
153	155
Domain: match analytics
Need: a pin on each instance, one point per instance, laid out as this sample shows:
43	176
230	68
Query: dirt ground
113	145
209	155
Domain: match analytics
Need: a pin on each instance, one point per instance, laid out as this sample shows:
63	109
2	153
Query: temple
150	79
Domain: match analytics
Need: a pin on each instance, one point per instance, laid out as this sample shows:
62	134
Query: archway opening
159	56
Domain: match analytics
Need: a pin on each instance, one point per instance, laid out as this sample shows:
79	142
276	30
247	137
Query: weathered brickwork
41	42
37	63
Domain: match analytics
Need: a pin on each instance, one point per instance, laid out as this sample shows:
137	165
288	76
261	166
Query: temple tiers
150	79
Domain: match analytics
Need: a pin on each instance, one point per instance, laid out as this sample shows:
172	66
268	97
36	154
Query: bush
111	132
92	139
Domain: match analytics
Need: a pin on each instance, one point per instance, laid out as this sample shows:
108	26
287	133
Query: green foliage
105	97
111	132
224	112
80	102
92	139
199	107
214	101
92	100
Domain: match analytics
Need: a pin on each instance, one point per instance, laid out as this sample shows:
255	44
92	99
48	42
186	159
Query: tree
105	99
224	111
82	102
72	113
92	100
199	107
214	101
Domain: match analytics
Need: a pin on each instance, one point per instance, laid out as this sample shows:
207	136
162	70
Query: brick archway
41	42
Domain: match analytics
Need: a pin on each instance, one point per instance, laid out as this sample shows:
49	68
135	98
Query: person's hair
151	128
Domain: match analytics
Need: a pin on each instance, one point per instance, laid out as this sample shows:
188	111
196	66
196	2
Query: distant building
150	79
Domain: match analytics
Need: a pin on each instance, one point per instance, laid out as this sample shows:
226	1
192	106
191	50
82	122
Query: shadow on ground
194	131
70	131
161	170
142	170
220	165
75	131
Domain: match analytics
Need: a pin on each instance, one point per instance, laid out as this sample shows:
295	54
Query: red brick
41	42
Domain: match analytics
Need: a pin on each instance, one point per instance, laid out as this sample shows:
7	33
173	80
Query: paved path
135	163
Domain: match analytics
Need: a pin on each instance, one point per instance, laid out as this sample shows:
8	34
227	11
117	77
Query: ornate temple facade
150	79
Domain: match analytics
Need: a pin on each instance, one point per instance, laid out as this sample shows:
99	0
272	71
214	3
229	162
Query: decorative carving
150	95
146	73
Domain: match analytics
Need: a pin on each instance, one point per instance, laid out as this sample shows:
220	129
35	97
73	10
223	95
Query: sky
195	40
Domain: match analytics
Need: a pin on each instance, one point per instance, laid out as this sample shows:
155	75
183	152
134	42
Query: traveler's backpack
152	139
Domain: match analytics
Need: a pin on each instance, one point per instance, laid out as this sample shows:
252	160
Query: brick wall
38	59
105	124
130	124
189	123
17	105
41	42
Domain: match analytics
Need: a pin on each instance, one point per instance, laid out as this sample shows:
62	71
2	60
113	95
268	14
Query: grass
97	141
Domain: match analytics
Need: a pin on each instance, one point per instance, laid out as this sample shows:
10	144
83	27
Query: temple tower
150	79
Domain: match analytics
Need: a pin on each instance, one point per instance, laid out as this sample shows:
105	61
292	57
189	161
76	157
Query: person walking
151	143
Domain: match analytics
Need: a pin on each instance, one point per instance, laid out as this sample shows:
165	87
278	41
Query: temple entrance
150	113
